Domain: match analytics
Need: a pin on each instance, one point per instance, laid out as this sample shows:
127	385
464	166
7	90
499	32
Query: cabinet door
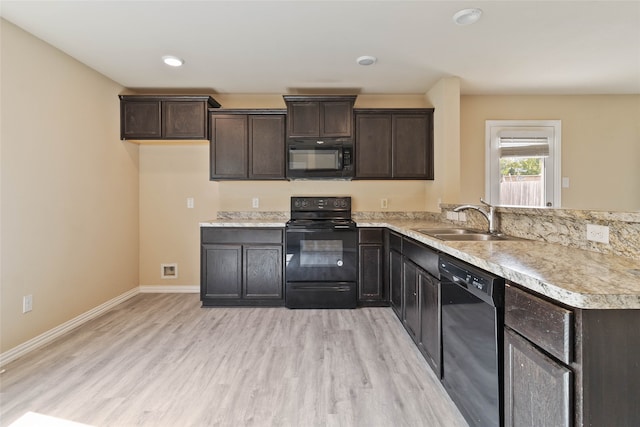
221	275
266	146
303	119
140	119
373	146
411	306
395	282
336	118
262	271
229	146
430	338
370	278
184	120
537	390
412	146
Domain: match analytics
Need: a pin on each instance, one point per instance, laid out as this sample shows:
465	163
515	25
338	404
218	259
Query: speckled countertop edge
575	277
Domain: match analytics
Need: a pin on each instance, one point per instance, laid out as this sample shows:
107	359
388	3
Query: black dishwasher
472	346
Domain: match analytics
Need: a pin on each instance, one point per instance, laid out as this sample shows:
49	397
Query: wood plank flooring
162	360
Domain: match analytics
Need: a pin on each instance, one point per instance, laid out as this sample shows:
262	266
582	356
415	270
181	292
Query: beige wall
600	145
170	173
69	195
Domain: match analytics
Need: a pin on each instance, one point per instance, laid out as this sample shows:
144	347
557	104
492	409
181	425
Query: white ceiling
518	47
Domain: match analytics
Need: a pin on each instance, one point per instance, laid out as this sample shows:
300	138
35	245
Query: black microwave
317	158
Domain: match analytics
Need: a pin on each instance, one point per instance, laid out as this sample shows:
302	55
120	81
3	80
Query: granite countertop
575	277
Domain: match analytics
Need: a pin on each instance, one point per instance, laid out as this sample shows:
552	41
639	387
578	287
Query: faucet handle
485	203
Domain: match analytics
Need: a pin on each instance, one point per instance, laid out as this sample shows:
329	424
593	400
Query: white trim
52	334
160	289
492	156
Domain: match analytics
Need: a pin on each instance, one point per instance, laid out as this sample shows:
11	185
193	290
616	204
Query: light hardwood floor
162	360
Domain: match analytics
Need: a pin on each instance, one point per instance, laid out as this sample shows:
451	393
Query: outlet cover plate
598	233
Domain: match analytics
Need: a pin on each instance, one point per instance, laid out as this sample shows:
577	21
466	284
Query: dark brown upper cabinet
247	144
169	117
394	143
319	116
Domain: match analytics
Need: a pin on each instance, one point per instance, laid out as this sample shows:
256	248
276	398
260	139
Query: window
523	163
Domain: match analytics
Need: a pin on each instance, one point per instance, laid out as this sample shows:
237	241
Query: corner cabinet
241	266
165	117
247	144
394	143
319	116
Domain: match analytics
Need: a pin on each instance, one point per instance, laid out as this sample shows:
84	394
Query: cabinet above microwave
326	116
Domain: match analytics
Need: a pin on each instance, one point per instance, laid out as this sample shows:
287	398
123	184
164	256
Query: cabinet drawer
421	255
545	324
370	235
241	235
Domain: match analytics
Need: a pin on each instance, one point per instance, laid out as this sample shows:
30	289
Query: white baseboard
160	289
52	334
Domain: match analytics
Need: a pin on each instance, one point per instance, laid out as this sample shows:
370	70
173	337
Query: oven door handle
332	288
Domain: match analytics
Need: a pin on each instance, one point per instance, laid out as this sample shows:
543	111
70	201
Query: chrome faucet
490	215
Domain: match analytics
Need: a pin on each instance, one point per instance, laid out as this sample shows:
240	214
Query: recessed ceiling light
172	61
366	60
467	16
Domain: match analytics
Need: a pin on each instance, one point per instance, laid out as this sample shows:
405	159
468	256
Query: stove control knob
339	263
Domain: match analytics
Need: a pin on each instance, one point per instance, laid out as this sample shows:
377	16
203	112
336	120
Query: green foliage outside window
519	166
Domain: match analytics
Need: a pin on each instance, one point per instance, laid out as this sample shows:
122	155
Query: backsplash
563	226
560	226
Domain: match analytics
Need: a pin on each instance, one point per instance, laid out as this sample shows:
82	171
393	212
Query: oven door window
314	159
321	253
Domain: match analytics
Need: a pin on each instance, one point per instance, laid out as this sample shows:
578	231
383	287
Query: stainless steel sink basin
472	237
432	231
462	234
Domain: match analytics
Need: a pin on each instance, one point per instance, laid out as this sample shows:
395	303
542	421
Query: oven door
321	255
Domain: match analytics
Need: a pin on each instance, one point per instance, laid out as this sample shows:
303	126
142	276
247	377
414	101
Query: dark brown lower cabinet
241	266
430	341
411	319
538	390
567	366
371	290
394	272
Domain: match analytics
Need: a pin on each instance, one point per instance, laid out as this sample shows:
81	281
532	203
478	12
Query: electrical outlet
255	203
598	233
384	203
27	303
453	216
190	202
462	216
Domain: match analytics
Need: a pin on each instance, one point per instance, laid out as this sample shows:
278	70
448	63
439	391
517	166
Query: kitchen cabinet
241	266
371	289
165	117
394	143
411	312
319	116
430	341
422	304
394	271
566	366
247	144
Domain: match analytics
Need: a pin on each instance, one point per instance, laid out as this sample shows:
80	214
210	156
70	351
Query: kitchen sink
463	235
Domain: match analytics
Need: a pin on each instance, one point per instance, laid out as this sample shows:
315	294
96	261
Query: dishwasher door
472	348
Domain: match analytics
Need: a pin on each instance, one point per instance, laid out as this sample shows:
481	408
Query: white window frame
549	128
